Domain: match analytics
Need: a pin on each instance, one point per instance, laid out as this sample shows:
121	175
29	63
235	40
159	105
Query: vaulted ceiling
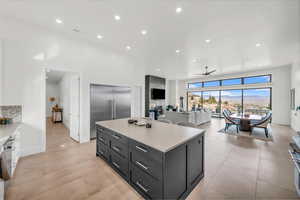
227	35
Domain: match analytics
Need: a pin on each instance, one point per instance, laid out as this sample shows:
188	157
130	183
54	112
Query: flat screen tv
157	93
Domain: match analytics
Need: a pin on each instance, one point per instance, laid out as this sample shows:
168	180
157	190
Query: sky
236	93
237	81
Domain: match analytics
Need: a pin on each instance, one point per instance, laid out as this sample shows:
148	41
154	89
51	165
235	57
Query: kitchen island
162	162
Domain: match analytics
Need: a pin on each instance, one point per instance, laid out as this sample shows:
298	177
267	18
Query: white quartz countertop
162	136
7	130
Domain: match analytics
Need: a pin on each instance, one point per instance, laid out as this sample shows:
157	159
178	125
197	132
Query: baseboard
32	150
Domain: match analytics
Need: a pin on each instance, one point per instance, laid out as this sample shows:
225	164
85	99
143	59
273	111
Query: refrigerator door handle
112	109
115	109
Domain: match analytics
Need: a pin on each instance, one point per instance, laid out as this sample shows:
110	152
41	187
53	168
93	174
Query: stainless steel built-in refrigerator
107	103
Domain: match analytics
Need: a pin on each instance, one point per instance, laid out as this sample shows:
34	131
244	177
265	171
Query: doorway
62	108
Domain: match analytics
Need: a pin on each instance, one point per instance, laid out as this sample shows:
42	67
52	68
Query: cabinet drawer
102	150
120	164
145	151
118	137
119	148
149	165
146	184
102	136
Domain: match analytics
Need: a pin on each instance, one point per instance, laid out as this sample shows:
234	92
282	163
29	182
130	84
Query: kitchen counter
7	130
162	162
162	136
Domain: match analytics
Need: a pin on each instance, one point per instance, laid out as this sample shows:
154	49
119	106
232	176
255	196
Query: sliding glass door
257	101
231	100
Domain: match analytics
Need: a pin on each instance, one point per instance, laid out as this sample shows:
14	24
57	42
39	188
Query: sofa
194	117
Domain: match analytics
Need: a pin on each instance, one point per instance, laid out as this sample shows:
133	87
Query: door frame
66	70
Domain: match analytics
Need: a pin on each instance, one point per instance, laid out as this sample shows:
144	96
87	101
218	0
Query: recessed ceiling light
258	45
177	51
59	21
194	60
99	36
207	40
117	17
158	70
128	48
76	29
178	10
144	32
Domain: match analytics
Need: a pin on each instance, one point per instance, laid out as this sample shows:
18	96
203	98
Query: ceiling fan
206	73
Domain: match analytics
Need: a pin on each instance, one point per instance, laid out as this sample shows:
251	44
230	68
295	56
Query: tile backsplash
14	112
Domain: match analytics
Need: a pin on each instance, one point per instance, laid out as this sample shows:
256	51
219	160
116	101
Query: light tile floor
235	168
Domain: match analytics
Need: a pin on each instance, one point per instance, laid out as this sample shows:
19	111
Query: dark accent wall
153	82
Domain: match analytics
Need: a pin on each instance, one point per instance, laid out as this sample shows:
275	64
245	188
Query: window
236	81
257	79
232	100
195	85
257	101
241	100
211	84
211	101
194	100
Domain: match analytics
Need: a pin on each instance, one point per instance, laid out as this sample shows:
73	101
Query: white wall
65	95
28	50
1	68
52	90
295	83
280	90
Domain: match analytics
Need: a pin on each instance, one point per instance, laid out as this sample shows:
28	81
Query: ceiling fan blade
212	71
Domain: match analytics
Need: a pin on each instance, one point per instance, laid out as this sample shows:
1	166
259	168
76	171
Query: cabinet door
195	159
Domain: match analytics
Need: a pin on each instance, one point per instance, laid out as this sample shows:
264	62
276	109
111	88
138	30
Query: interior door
74	107
101	101
122	102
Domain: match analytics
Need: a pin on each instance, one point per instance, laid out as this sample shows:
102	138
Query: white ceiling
233	26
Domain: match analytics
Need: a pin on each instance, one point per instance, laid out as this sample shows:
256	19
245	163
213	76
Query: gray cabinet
154	174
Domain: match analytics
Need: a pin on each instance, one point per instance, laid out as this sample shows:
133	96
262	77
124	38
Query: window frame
220	96
188	86
241	78
269	75
210	82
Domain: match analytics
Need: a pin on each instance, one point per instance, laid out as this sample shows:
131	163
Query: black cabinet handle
116	149
141	149
116	137
141	165
101	152
116	165
101	139
142	187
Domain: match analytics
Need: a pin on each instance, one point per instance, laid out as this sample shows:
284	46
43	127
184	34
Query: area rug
257	133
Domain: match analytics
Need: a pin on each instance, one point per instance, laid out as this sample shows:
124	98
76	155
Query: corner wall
29	50
52	90
295	83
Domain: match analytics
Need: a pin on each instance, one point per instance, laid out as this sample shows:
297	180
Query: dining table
245	120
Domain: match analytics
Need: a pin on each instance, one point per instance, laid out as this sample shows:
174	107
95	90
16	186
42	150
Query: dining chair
263	123
230	122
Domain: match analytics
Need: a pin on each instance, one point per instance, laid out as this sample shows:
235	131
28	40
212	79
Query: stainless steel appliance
108	103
